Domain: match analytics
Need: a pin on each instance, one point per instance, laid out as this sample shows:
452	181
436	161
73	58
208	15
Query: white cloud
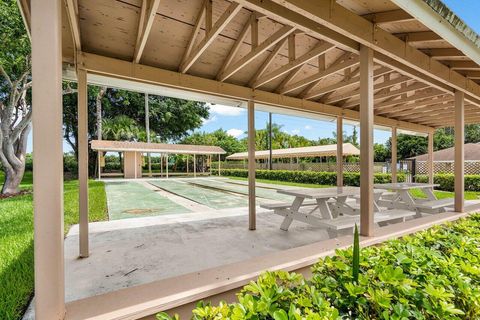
225	110
295	131
235	132
308	127
212	118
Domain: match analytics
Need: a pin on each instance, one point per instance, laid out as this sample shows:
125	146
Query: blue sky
234	120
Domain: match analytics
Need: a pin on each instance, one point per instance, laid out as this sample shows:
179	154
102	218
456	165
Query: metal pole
147	129
270	141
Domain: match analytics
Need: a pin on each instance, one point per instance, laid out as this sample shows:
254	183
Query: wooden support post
135	164
339	152
219	168
366	141
166	164
161	165
194	166
459	150
46	26
394	155
99	156
252	223
430	158
82	112
147	129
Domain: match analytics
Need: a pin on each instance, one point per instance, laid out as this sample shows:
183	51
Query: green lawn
16	240
469	195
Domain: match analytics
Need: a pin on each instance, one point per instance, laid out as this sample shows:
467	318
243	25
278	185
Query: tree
216	138
15	102
381	152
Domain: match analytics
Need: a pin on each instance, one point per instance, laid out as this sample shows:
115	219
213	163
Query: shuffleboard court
127	199
260	192
212	198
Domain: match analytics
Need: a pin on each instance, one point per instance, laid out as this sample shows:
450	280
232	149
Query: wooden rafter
389	16
444	53
390	93
429	93
72	13
210	36
268	61
147	17
322	65
236	46
472	74
463	65
321	75
378	86
418	105
261	48
342	84
421	36
298	62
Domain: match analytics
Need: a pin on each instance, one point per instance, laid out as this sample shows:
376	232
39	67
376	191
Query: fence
379	167
471	167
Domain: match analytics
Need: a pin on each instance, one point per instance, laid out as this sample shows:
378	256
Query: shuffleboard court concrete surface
215	199
128	199
260	192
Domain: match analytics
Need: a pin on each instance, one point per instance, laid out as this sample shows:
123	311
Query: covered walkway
403	64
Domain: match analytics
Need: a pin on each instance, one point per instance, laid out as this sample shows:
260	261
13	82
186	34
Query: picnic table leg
287	221
429	193
406	197
327	214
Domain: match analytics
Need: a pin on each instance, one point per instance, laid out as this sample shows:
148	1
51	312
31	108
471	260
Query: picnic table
403	199
323	200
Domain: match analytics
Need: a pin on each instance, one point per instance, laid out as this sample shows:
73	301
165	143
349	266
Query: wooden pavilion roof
294	53
134	146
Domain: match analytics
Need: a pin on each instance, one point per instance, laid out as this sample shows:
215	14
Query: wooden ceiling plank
430	93
219	25
317	51
272	40
72	13
321	75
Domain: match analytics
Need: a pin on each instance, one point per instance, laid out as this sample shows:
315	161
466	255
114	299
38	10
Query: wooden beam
47	124
124	70
463	65
367	224
208	16
420	95
418	105
236	46
210	36
254	30
252	224
320	75
459	151
147	17
318	50
193	37
444	53
272	40
389	16
268	61
421	36
72	13
472	74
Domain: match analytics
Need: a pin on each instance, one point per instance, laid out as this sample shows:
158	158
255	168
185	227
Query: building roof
122	146
314	151
472	153
420	65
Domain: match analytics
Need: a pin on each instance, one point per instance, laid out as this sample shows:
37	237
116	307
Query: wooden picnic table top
403	186
322	193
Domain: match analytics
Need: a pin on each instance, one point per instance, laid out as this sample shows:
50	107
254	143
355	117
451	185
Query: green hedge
314	177
447	181
433	274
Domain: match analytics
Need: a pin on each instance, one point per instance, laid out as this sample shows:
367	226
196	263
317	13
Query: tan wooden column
82	112
252	223
430	167
459	150
394	155
46	26
339	152
366	141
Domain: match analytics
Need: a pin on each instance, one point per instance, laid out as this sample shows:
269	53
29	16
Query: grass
417	193
16	240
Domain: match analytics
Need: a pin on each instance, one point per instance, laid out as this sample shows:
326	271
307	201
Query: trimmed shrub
313	177
447	181
433	274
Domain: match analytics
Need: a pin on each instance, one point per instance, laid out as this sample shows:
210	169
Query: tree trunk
13	178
